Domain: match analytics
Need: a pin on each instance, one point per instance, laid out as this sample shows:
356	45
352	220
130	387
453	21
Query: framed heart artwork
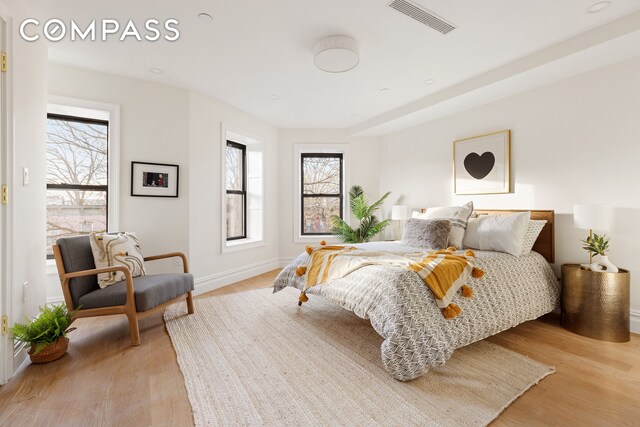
481	164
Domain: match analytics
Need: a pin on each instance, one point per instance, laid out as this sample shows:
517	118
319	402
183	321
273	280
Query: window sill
241	245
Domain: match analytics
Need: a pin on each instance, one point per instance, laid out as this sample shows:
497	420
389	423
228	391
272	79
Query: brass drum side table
596	304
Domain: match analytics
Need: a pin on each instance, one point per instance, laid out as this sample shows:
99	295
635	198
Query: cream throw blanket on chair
444	272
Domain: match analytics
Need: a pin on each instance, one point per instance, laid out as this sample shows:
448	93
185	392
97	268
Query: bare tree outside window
321	191
236	187
77	177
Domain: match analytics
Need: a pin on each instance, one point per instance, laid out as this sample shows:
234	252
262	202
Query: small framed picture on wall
154	179
481	164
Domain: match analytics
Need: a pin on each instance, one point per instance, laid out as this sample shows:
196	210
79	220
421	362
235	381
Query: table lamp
592	217
400	213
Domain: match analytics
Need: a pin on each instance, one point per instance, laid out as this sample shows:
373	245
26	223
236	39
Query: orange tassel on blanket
467	291
300	271
302	298
477	273
451	311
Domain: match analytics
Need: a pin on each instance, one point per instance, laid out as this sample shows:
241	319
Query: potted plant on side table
597	246
47	333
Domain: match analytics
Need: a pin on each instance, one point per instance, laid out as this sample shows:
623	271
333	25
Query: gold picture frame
482	164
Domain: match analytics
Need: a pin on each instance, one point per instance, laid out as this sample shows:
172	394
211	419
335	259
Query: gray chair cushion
150	291
77	256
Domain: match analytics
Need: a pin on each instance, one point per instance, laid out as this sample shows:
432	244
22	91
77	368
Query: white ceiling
255	48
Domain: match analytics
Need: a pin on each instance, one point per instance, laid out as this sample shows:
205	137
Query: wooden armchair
134	297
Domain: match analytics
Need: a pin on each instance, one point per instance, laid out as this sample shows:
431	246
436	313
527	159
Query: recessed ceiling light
429	82
205	17
156	70
597	7
384	89
274	97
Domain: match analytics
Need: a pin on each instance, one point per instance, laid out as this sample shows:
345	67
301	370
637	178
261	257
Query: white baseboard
218	280
283	262
635	321
55	300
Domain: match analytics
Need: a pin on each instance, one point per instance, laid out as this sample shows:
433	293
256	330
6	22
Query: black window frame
105	188
242	192
304	156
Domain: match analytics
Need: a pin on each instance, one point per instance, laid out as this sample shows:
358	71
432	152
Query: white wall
166	124
575	141
27	71
27	202
212	268
154	127
362	170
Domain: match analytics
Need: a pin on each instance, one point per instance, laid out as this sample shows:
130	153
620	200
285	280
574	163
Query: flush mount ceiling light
156	70
597	7
336	54
205	17
429	82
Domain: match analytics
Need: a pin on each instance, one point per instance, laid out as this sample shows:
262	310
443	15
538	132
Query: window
243	196
322	191
236	179
77	176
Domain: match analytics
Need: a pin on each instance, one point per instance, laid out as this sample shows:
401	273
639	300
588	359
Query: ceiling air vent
421	14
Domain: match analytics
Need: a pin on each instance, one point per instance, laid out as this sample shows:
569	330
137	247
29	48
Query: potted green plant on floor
47	333
369	225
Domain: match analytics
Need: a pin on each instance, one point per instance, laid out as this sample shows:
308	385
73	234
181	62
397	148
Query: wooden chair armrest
130	301
185	264
95	271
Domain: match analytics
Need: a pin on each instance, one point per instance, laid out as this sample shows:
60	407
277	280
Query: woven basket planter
51	352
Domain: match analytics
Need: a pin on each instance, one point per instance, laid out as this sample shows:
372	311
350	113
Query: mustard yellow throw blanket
444	272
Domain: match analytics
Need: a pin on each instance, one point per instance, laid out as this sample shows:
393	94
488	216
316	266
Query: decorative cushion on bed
458	215
534	228
116	249
501	233
429	234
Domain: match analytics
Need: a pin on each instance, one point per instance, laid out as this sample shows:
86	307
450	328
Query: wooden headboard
545	244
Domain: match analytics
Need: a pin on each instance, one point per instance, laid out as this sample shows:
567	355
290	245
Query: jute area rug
254	358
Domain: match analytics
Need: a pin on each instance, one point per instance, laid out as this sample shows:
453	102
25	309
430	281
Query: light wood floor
104	381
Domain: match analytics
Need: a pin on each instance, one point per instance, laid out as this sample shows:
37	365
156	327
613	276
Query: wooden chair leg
133	329
190	303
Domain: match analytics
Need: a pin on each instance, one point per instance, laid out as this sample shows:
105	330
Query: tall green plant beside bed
369	225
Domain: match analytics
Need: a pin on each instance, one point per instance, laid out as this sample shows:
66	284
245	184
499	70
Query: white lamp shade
400	212
597	217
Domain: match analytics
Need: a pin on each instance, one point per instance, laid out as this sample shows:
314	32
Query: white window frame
102	111
298	150
253	142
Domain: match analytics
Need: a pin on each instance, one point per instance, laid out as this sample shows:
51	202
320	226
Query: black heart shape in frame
479	166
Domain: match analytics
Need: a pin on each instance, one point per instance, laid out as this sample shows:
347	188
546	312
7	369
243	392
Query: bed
403	310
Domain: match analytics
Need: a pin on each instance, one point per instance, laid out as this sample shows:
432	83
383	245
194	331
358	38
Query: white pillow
501	233
458	215
534	228
116	249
